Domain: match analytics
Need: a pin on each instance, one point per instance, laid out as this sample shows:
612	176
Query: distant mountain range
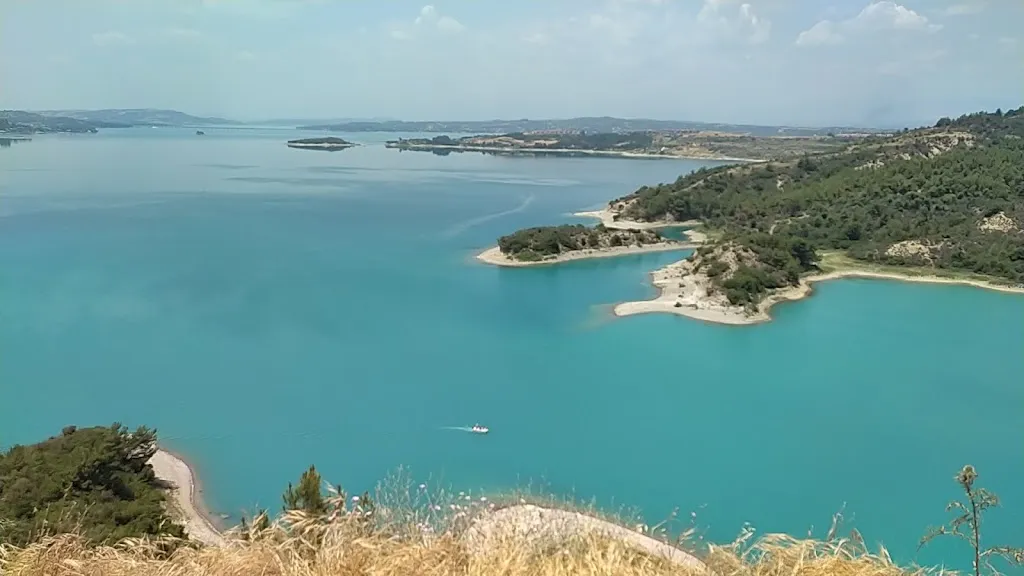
140	117
16	121
20	122
603	124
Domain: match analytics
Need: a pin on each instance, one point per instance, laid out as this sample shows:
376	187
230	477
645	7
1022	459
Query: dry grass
408	530
344	549
405	542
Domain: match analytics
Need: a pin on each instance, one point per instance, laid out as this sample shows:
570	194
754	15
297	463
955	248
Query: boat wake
463	226
458	428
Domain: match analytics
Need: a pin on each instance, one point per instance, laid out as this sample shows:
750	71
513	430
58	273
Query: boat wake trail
463	226
457	428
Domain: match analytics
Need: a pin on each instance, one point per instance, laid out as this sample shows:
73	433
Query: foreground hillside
946	200
86	503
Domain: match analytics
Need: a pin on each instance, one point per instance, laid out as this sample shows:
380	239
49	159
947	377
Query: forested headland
947	198
94	482
543	242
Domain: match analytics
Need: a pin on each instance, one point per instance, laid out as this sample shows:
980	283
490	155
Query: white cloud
112	38
427	14
881	16
449	25
727	20
429	20
888	15
965	9
822	33
244	56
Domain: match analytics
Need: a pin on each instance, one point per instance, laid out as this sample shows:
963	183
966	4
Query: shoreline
567	151
607	218
520	520
186	502
329	147
494	256
669	293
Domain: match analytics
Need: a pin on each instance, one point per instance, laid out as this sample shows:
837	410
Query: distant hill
140	117
21	122
603	124
293	122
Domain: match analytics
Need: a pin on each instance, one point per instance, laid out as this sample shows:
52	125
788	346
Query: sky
794	62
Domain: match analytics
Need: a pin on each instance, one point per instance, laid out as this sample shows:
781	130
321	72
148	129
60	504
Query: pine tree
307	496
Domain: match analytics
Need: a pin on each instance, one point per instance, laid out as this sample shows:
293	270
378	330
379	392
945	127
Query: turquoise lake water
267	308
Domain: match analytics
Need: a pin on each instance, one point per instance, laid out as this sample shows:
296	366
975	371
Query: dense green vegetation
532	244
93	481
936	188
772	261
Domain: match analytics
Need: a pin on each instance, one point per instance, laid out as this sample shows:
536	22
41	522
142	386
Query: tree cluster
93	481
531	244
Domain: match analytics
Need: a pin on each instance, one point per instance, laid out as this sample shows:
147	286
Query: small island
941	204
329	143
692	144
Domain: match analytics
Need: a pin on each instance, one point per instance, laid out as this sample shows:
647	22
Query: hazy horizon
763	62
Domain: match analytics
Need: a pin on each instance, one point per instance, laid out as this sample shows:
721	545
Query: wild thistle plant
967	524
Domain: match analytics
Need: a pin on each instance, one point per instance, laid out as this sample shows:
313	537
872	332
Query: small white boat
478	429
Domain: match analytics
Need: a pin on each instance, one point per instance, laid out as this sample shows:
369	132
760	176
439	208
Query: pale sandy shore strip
563	151
551	525
670	292
185	497
524	521
607	218
495	257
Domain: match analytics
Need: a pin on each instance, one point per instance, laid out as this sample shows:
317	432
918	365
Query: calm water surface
268	308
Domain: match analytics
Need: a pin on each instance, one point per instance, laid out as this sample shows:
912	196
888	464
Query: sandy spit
607	218
186	502
676	287
551	525
494	256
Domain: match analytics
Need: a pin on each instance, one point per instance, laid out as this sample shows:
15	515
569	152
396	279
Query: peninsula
706	145
553	244
938	204
330	144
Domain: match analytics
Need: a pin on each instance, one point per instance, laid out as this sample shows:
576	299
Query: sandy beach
676	286
607	218
494	256
551	525
186	497
524	521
